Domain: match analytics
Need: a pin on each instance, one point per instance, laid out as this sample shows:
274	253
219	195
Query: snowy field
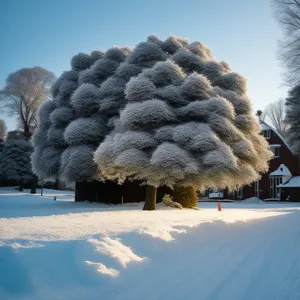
65	250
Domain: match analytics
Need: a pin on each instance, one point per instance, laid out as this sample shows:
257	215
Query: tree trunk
56	184
21	185
33	186
150	202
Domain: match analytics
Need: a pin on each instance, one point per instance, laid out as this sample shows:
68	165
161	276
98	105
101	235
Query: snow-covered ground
65	250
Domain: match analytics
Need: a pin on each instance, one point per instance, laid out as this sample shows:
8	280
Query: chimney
259	115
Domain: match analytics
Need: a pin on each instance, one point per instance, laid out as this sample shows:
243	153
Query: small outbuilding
290	191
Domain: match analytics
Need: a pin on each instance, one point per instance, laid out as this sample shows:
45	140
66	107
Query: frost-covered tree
54	117
97	100
167	111
292	118
45	158
89	128
15	160
188	122
23	94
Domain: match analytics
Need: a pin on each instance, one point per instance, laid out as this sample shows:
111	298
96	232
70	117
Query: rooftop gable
264	126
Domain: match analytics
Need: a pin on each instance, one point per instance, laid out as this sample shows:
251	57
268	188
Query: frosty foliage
77	164
85	130
147	115
62	115
97	54
165	112
15	160
39	138
189	123
232	81
90	126
81	61
46	162
85	99
168	201
65	84
146	54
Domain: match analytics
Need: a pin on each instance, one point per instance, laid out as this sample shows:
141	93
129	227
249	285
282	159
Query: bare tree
23	94
2	130
275	111
287	13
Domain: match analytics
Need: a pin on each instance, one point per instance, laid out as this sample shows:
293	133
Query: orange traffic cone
54	198
219	206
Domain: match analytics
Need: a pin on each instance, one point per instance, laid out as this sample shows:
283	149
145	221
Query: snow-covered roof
265	126
294	182
281	171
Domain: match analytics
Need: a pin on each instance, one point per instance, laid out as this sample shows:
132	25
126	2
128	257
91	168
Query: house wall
290	194
286	157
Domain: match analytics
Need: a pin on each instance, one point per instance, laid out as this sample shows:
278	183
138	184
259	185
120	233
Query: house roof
294	182
265	126
282	171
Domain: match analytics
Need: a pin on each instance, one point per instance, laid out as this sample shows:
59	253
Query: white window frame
274	190
275	148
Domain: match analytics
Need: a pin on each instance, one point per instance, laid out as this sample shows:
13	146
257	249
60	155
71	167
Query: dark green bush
186	196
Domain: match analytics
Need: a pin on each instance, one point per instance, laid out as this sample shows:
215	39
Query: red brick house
280	181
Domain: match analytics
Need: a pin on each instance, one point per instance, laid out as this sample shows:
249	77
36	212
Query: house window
266	134
276	150
274	190
278	190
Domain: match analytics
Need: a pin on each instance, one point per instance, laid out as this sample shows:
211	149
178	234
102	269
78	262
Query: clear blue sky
48	33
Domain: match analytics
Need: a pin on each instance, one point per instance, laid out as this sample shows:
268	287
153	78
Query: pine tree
292	118
15	160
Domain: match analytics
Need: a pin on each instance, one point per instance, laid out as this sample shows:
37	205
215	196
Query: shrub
186	196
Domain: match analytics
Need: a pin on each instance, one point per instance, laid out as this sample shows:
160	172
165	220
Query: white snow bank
252	200
115	249
101	268
246	251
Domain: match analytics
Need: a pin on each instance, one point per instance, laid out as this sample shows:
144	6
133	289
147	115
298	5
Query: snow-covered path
66	250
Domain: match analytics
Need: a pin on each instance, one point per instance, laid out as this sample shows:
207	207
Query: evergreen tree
188	122
45	159
292	118
88	100
54	117
15	160
89	127
166	112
